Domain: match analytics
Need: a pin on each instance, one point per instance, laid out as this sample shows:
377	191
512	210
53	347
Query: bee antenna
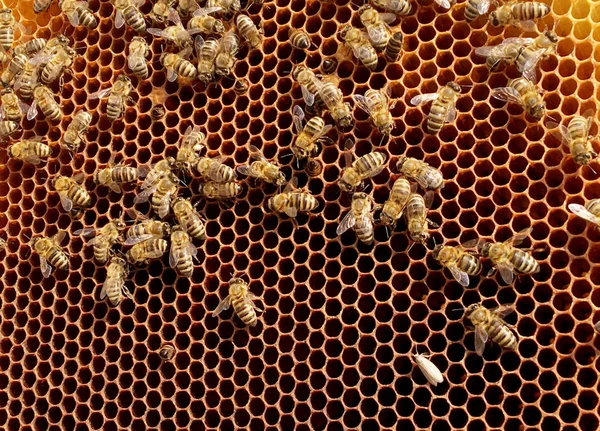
458	309
29	238
387	231
592	169
411	246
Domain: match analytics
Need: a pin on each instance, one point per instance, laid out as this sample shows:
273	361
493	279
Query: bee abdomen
51	109
524	262
500	334
530	10
80	197
114	107
87	19
593	206
303	202
244	311
7	37
470	264
58	259
124	174
370	161
394	47
364	231
101	252
400	191
185	265
314	125
471	12
437	116
134	18
578	128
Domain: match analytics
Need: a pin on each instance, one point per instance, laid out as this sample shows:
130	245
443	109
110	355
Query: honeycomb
332	348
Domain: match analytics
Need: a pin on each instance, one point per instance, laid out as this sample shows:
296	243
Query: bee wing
119	19
321	132
191	249
45	267
126	291
347	222
158	32
198	44
443	3
428	199
527	25
519	237
362	52
582	212
143	171
483	6
24	107
213	170
388	18
165	205
174	256
248	171
59	237
73	17
115	187
503	310
204	11
423	98
144	195
308	97
471	243
171	74
137	239
133	213
223	305
40	58
480	339
460	276
174	16
506	272
520	41
376	34
256	153
363	103
507	94
32	158
103	291
67	203
421	179
86	231
32	112
291	185
99	94
133	60
298	116
291	211
486	51
450	115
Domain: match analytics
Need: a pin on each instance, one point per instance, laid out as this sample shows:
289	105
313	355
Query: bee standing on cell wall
26	81
44	98
367	166
415	214
309	84
7	29
443	108
219	191
292	201
241	298
213	168
118	95
12	108
359	218
182	252
160	194
143	251
162	10
205	23
176	33
58	64
305	145
127	11
491	324
299	39
114	285
507	259
178	66
227	49
416	170
206	53
105	237
188	218
377	103
7	128
394	47
71	192
577	136
393	208
474	8
29	150
519	13
136	60
262	169
50	253
146	229
160	170
460	263
360	45
74	136
31	47
399	7
377	26
333	98
114	176
78	13
589	212
525	93
14	68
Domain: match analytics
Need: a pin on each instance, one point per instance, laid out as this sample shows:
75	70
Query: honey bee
40	6
220	191
112	176
71	192
187	7
127	11
333	98
206	23
31	47
212	168
329	65
8	25
377	103
309	84
29	150
118	95
227	49
207	53
114	285
394	47
299	39
76	130
305	145
474	8
12	108
160	170
166	352
7	128
415	214
249	31
426	176
78	13
241	298
58	64
14	68
360	218
147	228
241	86
589	212
161	195
577	136
188	218
162	10
26	81
367	166
399	7
361	46
507	259
143	251
491	324
136	60
228	7
191	145
177	66
394	207
105	237
377	26
525	93
44	97
292	201
519	14
443	108
182	252
262	169
50	252
176	33
460	263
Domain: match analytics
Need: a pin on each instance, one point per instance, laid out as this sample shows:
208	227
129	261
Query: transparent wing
519	237
134	60
157	32
174	256
527	25
471	243
66	203
73	17
291	211
248	171
103	292
362	52
165	205
480	339
506	272
137	239
520	41
291	185
32	111
257	154
32	158
171	74
363	103
86	231
119	19
450	114
207	11
347	222
443	3
423	98
174	17
223	305
308	97
388	18
421	179
460	276
483	6
198	44
376	34
580	211
298	116
45	267
507	94
321	132
99	94
58	238
486	51
530	64
503	310
191	249
115	187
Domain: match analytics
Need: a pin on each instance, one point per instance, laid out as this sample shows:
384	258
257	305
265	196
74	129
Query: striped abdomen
369	162
400	7
469	264
593	206
394	47
437	116
57	258
7	37
471	12
195	226
184	68
529	10
314	126
364	230
303	201
79	196
124	174
578	128
87	19
134	18
330	94
214	190
149	227
523	262
401	191
244	310
50	107
499	333
114	106
101	251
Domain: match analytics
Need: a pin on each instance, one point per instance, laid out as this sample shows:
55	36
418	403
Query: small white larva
430	371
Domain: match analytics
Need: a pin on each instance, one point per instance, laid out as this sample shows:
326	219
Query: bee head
166	228
344	185
297	70
494	19
118	260
5	11
581	159
119	224
124	78
385	219
360	195
485	248
280	180
219	27
363	9
344	30
346	121
436	251
9	151
538	111
401	162
453	85
166	352
471	309
552	37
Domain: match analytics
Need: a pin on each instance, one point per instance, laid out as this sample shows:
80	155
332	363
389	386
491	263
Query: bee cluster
200	45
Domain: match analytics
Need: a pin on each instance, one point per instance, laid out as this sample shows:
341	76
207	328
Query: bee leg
491	272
